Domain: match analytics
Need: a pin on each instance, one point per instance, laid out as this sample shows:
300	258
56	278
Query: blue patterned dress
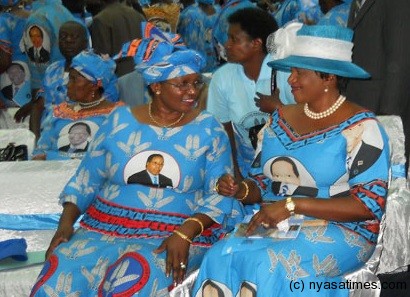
11	33
49	15
337	16
328	165
304	11
112	252
55	136
195	27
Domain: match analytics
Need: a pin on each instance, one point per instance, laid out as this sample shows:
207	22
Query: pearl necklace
327	112
159	124
81	105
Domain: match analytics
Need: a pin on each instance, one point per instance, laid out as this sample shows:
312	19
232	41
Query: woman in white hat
323	158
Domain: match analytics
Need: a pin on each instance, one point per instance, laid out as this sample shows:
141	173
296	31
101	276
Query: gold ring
182	265
265	225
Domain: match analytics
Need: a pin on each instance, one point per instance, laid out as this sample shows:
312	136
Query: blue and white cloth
123	223
325	165
195	27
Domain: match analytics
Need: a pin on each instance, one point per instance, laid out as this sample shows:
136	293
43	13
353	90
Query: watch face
290	205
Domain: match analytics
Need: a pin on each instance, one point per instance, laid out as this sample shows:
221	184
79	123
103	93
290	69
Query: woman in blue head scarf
91	79
146	192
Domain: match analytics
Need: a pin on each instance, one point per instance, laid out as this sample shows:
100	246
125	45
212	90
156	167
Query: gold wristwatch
290	205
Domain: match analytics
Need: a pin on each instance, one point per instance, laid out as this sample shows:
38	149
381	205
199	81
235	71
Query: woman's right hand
227	185
63	234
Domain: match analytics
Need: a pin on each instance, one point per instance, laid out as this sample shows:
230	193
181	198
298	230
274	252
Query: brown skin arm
5	60
35	116
65	226
229	130
338	209
177	248
25	110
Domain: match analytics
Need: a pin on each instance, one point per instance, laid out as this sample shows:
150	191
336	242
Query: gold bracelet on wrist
246	191
182	235
198	221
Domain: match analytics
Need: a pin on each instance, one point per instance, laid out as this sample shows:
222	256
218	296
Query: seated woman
68	129
138	237
331	158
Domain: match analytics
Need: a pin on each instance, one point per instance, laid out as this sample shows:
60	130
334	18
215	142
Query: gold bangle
198	221
246	191
182	235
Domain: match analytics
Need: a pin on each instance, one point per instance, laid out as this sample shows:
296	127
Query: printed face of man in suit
155	165
283	171
36	36
353	136
78	135
16	74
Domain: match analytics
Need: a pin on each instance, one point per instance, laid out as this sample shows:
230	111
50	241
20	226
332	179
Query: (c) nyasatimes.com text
299	285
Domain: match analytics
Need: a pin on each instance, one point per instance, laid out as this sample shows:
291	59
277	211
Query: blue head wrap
177	64
99	70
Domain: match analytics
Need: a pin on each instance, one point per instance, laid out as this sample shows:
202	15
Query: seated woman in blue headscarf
69	128
146	191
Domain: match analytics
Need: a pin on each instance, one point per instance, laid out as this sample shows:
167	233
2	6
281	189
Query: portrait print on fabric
364	146
76	137
15	85
289	177
154	169
37	44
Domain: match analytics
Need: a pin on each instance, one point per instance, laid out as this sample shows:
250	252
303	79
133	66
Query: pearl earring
326	89
157	92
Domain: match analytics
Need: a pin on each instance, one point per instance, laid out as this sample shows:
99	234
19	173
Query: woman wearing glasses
138	238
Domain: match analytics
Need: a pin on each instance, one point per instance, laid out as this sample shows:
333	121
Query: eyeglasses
197	85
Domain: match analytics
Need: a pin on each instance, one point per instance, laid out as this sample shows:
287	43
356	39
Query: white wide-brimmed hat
321	48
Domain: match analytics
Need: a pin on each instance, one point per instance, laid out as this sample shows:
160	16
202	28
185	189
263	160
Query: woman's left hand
177	257
268	103
268	216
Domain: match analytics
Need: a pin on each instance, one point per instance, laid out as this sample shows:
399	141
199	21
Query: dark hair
257	23
74	6
87	127
38	28
149	159
341	82
81	27
287	160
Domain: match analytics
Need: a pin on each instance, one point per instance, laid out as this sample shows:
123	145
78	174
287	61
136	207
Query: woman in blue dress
195	26
15	87
324	158
140	237
69	126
